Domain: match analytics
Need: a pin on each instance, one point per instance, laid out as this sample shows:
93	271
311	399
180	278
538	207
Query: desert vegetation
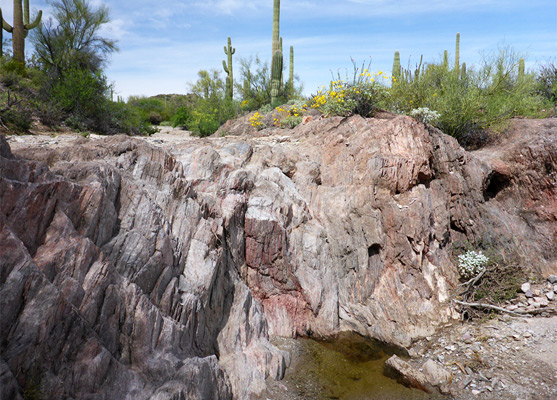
64	84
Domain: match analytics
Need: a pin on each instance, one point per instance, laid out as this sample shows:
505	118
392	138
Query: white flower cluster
471	263
425	115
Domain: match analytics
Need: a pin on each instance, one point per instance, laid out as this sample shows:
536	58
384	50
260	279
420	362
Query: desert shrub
547	82
210	107
425	115
151	109
265	109
471	263
181	118
290	122
362	95
256	120
471	105
254	84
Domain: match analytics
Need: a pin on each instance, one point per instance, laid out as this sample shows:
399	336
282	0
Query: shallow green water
349	367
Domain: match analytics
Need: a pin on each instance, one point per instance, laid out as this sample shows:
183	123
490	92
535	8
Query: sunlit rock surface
158	269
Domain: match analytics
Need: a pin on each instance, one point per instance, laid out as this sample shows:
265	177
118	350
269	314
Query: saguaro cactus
291	75
277	60
446	60
521	69
463	72
419	68
1	34
457	55
229	50
396	67
21	27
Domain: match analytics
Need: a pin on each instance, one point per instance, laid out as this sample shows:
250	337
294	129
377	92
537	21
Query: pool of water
348	367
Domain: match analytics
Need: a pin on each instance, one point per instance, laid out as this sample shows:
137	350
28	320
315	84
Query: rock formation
134	270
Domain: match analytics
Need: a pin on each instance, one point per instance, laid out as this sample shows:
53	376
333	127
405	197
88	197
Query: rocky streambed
168	267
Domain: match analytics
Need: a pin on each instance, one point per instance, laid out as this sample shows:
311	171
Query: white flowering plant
425	115
471	263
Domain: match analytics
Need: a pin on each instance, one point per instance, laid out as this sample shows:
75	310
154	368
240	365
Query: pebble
527	334
552	278
529	294
550	295
537	292
525	287
476	392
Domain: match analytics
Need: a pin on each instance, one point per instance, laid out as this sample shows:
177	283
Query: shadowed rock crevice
495	183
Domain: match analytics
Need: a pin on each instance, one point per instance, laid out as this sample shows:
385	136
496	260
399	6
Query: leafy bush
181	118
472	104
290	122
361	96
547	82
152	110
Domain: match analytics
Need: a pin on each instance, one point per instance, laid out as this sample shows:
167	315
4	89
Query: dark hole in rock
548	167
457	228
373	250
424	179
495	183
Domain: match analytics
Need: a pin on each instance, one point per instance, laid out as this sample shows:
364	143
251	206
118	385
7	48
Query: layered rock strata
159	270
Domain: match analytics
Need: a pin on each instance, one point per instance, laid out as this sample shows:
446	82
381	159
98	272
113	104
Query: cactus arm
7	27
36	22
224	66
25	12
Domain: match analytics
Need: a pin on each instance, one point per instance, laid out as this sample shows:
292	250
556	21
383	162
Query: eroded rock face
133	270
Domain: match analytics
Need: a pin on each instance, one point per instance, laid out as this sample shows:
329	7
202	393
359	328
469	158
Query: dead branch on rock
503	310
470	284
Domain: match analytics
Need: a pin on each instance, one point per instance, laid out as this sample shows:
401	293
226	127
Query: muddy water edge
347	367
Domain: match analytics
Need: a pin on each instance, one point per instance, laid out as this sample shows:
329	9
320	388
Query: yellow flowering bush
289	115
256	120
360	96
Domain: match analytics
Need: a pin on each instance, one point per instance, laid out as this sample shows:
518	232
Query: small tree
72	39
72	52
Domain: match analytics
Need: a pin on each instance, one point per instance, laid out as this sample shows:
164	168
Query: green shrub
150	109
547	82
290	122
471	105
181	118
361	96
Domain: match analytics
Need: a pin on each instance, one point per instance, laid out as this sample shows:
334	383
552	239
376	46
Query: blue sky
164	43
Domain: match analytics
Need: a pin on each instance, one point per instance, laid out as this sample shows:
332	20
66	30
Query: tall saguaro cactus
291	75
457	55
277	60
229	50
21	27
396	67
